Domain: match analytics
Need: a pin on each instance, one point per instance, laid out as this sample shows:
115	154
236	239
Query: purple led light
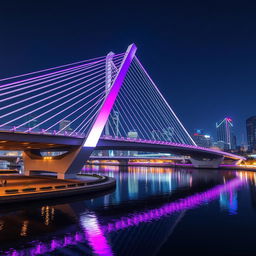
10	89
63	103
46	98
207	150
94	60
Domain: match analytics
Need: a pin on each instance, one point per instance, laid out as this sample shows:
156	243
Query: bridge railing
116	138
185	146
28	130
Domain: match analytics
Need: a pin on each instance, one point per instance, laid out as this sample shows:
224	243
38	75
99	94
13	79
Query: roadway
27	141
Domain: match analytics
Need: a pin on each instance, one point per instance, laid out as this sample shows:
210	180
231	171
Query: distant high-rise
202	139
225	133
132	134
251	132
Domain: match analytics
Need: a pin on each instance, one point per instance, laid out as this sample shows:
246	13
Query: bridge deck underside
147	147
21	141
155	148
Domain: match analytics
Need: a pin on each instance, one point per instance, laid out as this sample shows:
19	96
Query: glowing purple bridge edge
178	145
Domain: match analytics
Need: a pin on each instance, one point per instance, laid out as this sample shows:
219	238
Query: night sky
202	55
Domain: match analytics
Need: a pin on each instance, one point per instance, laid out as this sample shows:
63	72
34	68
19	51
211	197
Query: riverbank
17	188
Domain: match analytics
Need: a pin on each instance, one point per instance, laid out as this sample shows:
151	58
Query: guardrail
42	132
100	178
169	143
46	188
82	135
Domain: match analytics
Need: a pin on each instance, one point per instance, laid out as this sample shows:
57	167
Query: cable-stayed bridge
93	104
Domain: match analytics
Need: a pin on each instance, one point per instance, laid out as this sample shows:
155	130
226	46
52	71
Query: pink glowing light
95	236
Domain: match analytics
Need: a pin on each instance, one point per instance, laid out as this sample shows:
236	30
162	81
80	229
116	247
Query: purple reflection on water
79	237
54	244
95	234
180	205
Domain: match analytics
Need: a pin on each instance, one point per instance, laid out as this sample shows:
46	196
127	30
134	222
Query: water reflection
228	201
138	218
47	214
95	235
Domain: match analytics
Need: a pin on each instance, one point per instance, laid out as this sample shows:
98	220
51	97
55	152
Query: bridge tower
108	82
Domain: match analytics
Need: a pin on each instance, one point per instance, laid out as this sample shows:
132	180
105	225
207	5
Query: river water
152	211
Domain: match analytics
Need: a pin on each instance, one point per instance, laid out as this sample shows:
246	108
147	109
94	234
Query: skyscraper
251	132
225	133
202	139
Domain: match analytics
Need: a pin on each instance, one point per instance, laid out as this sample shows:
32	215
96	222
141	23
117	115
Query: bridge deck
23	141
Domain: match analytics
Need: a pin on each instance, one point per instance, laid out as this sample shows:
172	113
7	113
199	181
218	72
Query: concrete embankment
22	188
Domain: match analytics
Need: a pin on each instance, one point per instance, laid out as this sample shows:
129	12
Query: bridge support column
232	161
238	162
66	165
206	163
123	162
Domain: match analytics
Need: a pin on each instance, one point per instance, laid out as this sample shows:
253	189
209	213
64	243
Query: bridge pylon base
66	166
123	162
206	163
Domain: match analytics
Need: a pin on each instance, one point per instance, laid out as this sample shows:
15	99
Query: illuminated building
132	134
225	133
251	132
201	139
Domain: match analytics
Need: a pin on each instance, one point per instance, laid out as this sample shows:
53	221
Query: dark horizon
200	55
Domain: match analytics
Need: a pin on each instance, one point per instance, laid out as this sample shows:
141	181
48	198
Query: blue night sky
202	55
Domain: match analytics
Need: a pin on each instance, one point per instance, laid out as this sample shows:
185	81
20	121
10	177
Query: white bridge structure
88	105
